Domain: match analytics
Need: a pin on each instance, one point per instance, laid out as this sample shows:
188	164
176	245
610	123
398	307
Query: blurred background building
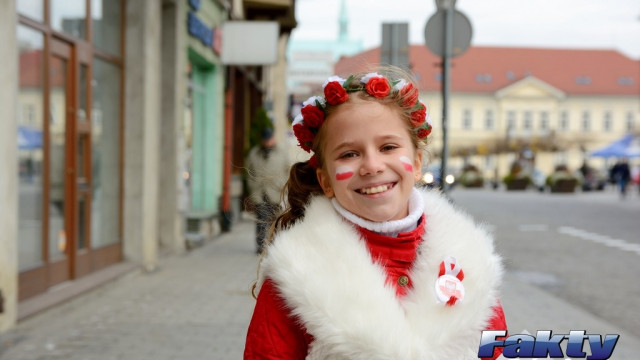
129	136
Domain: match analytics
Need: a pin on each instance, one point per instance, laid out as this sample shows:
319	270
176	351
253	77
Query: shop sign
211	38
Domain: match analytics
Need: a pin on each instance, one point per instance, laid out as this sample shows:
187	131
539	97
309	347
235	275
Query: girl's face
370	162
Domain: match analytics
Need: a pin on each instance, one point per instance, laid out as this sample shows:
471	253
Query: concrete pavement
198	306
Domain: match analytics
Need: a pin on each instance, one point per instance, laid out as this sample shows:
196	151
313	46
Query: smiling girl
361	264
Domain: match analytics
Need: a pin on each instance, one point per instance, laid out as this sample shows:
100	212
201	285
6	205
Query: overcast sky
600	24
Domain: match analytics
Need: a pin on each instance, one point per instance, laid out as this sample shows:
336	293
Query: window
483	78
564	121
510	75
466	119
625	81
488	120
583	80
31	8
606	121
511	120
544	120
527	121
28	114
586	121
69	16
30	164
631	121
106	18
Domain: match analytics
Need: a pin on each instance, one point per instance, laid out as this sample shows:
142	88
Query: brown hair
303	183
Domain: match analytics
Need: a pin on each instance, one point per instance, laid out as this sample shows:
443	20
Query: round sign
434	33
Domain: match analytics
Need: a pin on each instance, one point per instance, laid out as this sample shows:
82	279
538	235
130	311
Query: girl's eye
348	155
388	147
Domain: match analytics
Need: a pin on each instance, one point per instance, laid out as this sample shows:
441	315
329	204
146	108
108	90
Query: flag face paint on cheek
344	172
406	162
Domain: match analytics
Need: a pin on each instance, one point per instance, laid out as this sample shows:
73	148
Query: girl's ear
417	165
325	183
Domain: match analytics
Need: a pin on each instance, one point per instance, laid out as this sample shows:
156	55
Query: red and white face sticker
406	162
344	172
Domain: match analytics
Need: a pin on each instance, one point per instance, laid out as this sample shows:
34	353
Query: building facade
129	137
556	104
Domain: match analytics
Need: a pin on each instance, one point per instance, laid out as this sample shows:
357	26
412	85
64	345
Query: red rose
313	161
304	135
410	95
335	93
312	115
423	133
378	87
418	116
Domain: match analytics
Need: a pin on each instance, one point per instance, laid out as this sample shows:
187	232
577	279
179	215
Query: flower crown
336	91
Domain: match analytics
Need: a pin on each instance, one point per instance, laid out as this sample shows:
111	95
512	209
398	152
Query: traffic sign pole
446	76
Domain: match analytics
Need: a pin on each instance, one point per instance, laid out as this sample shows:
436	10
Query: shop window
106	21
31	8
30	152
105	153
69	17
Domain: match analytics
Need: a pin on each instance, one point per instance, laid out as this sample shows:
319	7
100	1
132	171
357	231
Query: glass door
60	164
83	173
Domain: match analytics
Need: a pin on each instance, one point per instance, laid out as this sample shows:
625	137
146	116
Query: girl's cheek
344	172
406	162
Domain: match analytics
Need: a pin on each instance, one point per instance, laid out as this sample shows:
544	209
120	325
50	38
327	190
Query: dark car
431	177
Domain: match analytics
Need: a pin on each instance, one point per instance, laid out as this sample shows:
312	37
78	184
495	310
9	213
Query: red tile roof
577	72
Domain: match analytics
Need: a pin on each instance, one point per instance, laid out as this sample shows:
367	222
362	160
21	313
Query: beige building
559	104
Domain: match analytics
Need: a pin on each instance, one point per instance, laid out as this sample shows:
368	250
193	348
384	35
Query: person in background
622	175
362	264
267	166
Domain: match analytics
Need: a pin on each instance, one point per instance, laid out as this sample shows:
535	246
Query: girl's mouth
376	189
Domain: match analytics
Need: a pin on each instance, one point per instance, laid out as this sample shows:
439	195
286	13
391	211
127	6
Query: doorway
66	201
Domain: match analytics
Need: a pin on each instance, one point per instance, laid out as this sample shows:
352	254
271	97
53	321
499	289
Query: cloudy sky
601	24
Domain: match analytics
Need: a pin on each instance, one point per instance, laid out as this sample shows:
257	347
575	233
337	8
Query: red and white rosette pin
449	288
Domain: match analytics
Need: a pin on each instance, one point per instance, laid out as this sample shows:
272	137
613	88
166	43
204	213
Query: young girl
362	265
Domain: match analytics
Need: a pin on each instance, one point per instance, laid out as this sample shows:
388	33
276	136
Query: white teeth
375	189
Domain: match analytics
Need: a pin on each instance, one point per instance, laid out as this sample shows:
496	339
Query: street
582	247
560	277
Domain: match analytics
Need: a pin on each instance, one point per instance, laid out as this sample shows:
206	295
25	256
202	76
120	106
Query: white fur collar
392	227
328	279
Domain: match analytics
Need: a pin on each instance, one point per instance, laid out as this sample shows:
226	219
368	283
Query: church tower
343	23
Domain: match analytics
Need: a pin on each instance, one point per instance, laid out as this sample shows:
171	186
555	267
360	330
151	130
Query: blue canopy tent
628	146
29	139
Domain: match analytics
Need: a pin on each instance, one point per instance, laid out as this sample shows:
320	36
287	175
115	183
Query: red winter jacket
275	334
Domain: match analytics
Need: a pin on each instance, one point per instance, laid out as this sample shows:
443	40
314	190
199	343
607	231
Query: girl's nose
371	165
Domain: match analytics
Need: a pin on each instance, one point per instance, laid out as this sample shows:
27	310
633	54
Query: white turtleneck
391	227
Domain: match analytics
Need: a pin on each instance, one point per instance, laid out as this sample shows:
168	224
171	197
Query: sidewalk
198	306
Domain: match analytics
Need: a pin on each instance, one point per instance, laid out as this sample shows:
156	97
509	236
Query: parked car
431	177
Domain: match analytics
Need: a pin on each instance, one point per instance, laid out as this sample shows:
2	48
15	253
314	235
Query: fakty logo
545	345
